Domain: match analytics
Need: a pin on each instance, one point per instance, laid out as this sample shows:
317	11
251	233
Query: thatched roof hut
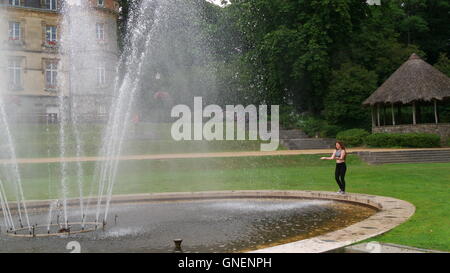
415	80
415	87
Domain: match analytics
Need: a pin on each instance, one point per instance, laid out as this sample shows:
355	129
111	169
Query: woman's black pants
339	174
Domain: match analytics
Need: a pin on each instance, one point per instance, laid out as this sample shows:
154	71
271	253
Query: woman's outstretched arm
333	156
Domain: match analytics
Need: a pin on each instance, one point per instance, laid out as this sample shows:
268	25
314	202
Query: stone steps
292	134
412	156
298	140
307	143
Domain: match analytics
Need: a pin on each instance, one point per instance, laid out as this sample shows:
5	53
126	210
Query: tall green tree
350	86
292	43
443	64
425	23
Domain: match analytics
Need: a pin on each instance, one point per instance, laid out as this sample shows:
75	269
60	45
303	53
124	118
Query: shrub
412	140
330	131
313	126
289	117
353	137
349	87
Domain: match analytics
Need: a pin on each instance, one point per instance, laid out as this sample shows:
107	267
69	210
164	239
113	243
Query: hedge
313	126
411	140
353	137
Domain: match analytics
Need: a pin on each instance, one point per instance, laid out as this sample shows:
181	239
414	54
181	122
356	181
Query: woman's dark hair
341	144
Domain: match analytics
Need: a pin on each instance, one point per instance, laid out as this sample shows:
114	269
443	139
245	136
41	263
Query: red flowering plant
51	87
161	95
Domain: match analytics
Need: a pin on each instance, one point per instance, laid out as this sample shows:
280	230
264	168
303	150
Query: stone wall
442	129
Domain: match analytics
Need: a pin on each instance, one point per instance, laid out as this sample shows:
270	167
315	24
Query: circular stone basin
210	225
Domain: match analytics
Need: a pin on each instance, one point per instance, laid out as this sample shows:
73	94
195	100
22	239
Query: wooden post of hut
378	115
372	115
436	120
393	114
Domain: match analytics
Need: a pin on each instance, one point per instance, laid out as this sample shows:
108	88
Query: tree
292	52
124	10
291	45
425	23
350	86
443	64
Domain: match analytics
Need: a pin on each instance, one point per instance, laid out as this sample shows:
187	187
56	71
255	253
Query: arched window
15	73
51	75
14	2
100	31
52	4
101	74
51	35
14	31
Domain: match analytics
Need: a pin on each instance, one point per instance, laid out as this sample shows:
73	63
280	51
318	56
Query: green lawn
40	140
427	186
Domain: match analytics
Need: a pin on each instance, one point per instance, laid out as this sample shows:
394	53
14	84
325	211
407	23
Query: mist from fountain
77	27
151	29
144	22
10	173
154	28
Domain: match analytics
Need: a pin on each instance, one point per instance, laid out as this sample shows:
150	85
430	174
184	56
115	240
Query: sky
217	2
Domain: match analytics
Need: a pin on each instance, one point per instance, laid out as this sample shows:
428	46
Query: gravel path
199	155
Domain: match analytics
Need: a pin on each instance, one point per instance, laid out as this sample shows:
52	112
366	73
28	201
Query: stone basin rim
390	213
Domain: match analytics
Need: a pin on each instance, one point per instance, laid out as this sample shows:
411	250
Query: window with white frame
100	31
15	73
14	31
102	109
51	75
14	2
101	3
101	74
51	34
52	4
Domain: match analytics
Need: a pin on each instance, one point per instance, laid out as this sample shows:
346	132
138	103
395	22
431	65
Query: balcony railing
57	8
40	8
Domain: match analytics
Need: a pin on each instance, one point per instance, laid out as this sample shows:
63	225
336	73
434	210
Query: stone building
35	66
412	100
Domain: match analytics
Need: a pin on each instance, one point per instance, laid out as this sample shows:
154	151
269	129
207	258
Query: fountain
10	173
77	25
146	27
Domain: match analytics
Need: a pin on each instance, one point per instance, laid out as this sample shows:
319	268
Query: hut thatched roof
415	80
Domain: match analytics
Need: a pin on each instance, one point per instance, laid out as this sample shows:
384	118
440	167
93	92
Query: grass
427	186
40	140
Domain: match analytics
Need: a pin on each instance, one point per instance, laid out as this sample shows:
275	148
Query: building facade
35	65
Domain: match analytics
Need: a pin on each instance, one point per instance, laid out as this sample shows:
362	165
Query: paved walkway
200	155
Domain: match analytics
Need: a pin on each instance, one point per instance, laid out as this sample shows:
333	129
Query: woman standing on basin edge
339	154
